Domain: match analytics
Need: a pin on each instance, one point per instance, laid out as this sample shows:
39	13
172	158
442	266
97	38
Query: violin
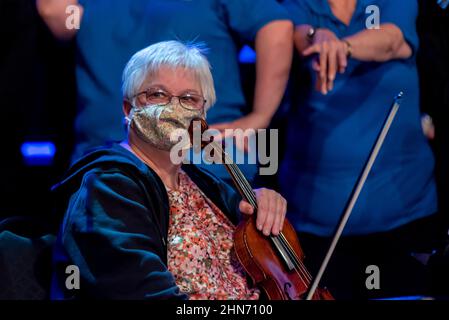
274	263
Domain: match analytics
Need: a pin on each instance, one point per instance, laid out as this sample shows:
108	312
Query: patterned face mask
155	123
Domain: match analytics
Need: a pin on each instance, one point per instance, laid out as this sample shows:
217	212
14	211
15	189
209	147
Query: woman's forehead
174	78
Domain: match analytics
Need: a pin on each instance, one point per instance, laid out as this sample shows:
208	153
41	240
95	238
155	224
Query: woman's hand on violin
271	211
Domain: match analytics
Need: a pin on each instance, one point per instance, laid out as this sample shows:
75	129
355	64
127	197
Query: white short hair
148	61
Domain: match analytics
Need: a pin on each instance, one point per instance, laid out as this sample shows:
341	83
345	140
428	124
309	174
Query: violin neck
240	181
283	247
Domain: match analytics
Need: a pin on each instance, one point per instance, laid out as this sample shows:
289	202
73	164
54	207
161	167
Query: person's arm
54	14
384	44
274	49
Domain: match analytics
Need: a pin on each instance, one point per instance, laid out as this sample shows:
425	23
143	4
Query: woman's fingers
332	59
271	215
342	58
271	211
332	66
315	65
245	207
316	48
262	208
319	65
277	225
284	210
323	66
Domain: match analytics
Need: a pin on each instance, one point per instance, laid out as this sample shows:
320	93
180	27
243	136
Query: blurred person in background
112	30
348	77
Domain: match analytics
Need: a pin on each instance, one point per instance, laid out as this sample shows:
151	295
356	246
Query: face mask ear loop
127	122
129	117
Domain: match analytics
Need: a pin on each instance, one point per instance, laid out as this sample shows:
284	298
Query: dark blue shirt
113	30
330	136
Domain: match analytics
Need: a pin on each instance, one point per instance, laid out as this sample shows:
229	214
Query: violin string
238	175
298	266
249	194
296	258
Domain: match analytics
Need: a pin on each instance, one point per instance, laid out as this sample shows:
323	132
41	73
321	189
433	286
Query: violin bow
356	191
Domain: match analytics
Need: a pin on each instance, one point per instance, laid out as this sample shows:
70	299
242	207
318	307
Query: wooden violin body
266	267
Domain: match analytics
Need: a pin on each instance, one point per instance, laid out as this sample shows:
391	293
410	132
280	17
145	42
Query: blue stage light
406	298
38	153
247	55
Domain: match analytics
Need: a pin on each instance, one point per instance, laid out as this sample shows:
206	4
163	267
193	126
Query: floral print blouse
200	247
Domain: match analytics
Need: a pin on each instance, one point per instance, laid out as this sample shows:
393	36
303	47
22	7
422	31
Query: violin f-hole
287	286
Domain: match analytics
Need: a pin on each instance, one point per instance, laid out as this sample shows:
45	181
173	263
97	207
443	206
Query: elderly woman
355	57
139	226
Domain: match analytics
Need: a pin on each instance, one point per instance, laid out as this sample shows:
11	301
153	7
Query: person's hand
251	121
57	13
332	58
427	126
271	211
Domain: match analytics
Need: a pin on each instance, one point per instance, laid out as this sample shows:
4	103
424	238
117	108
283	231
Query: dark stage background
38	100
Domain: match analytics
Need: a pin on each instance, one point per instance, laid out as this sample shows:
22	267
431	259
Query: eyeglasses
160	97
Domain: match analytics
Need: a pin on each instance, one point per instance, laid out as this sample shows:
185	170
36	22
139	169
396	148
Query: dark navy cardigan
115	227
